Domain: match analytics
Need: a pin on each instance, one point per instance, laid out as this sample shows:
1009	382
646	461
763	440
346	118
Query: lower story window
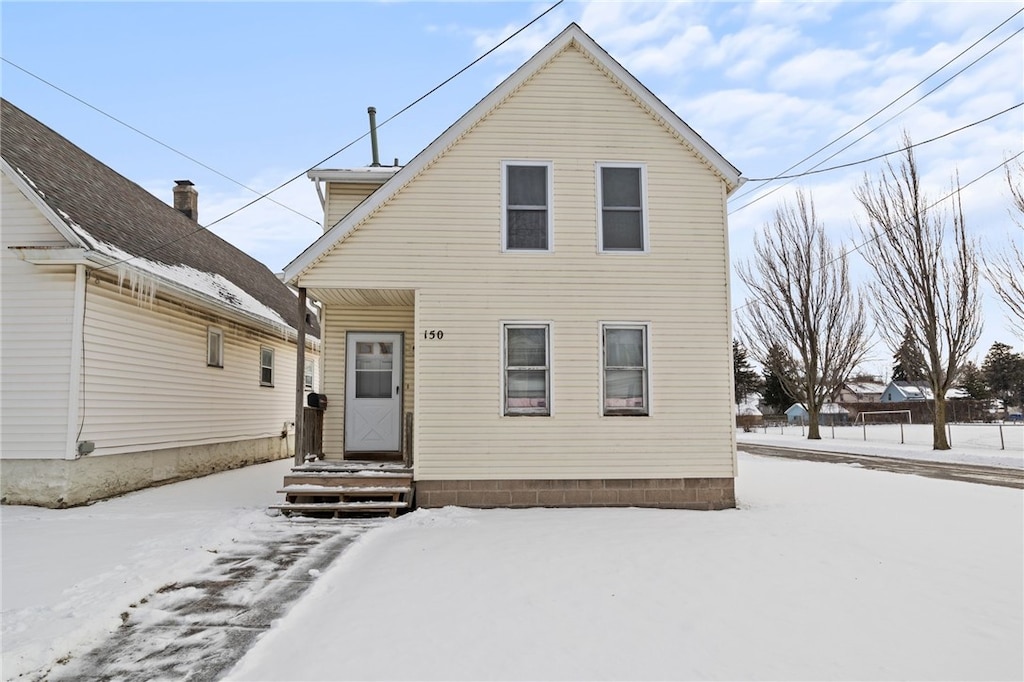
307	374
214	347
527	370
625	369
266	366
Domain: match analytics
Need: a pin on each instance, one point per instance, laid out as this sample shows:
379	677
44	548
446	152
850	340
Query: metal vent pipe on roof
372	111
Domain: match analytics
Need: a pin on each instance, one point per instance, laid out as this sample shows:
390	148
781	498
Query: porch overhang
363	298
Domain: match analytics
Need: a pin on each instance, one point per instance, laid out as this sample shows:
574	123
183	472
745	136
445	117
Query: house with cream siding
137	347
535	309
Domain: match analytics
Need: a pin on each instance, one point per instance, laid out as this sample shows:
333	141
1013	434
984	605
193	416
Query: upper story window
622	215
214	347
266	366
625	369
527	370
526	195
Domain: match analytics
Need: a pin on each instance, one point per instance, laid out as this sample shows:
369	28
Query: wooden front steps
344	488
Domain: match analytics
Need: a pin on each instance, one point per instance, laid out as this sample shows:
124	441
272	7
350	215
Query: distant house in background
535	309
906	391
860	392
831	414
138	348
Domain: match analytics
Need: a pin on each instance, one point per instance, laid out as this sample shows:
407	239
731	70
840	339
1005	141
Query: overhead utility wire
897	99
930	206
299	175
150	137
403	110
904	109
895	151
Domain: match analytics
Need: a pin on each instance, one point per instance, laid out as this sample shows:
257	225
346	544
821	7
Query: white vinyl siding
526	373
343	197
622	207
526	205
145	391
36	316
572	114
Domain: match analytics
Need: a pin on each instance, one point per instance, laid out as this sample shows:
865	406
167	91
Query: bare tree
802	307
921	283
1004	267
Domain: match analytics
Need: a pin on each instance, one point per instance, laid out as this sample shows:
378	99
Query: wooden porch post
300	383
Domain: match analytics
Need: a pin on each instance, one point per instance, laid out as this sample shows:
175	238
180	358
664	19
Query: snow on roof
208	283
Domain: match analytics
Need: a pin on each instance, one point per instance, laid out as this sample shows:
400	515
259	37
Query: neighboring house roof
572	35
865	387
826	408
918	390
122	225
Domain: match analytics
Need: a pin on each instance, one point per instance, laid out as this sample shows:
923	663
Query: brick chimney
186	199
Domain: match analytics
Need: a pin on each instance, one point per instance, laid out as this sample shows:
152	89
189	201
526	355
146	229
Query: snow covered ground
824	572
1000	445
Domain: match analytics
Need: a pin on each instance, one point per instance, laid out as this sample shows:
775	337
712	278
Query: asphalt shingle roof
110	208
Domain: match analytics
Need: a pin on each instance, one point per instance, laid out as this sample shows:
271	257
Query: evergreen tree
910	364
745	379
972	380
775	394
1004	373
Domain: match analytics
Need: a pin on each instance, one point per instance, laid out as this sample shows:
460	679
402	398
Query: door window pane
373	370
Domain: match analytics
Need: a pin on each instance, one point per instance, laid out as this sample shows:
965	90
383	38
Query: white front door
373	392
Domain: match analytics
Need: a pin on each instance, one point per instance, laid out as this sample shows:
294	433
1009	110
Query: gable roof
573	35
116	220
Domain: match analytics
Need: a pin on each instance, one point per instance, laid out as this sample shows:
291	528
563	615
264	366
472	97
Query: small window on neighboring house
527	209
625	369
266	366
214	347
307	374
622	216
527	370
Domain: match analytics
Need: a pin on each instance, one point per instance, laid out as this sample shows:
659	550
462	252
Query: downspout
76	364
300	384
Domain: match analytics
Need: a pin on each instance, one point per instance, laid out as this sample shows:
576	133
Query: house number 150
433	334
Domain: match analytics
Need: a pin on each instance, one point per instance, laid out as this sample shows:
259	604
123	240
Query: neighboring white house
137	347
535	309
860	392
831	414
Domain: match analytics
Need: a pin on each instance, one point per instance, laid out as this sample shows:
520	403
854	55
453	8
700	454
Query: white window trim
600	206
502	367
550	165
271	366
218	334
648	378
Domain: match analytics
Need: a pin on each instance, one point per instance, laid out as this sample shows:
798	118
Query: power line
150	137
907	92
930	206
401	111
299	175
882	156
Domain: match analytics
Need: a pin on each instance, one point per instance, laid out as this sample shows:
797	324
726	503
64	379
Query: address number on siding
431	334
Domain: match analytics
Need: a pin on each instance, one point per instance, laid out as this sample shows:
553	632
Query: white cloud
821	68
